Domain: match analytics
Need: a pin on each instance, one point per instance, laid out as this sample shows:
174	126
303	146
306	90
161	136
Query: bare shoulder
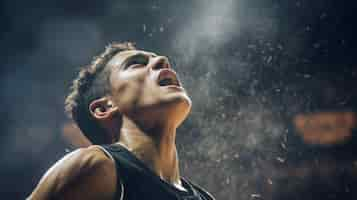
86	173
88	158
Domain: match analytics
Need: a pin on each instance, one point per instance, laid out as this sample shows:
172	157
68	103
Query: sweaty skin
150	115
83	174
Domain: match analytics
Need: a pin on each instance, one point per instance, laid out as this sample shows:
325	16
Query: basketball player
129	103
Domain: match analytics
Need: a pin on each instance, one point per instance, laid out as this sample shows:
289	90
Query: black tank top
138	182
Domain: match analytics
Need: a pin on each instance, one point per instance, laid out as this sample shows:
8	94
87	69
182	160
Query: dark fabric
140	183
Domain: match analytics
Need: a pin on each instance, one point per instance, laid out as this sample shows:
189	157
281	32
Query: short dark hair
92	83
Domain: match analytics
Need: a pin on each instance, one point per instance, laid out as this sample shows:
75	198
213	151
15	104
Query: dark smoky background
273	85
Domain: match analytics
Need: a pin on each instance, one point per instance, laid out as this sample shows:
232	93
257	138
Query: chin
178	99
168	105
179	106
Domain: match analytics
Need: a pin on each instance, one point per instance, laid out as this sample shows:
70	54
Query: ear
103	109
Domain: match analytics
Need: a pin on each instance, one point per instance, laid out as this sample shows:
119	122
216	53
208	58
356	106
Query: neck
155	147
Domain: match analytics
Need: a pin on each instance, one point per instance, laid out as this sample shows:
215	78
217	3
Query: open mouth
168	77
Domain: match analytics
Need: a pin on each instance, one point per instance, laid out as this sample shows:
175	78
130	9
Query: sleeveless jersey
137	182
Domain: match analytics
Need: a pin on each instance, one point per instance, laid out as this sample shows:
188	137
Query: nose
159	62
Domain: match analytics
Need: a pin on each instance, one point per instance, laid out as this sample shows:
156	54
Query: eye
137	61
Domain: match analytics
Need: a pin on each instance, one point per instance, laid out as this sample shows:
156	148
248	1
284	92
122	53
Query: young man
133	100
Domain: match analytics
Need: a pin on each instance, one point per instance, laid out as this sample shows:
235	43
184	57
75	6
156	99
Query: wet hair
93	83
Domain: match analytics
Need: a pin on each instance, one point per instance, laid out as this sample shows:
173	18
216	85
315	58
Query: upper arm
86	173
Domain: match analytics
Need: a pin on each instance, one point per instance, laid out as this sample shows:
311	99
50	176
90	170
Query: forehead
122	56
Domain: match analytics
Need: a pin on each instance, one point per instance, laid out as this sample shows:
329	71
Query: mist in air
250	67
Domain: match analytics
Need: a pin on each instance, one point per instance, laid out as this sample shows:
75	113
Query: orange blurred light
325	127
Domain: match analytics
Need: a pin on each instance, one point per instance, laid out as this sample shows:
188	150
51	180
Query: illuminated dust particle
282	160
269	59
270	182
255	196
283	145
323	15
225	156
316	45
307	76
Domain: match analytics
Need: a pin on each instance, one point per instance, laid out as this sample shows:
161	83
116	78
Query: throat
157	151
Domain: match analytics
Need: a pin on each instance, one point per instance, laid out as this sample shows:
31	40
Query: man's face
145	87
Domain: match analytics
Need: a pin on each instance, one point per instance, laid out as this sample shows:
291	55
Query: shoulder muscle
86	173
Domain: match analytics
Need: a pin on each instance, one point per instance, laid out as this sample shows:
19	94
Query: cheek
127	90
